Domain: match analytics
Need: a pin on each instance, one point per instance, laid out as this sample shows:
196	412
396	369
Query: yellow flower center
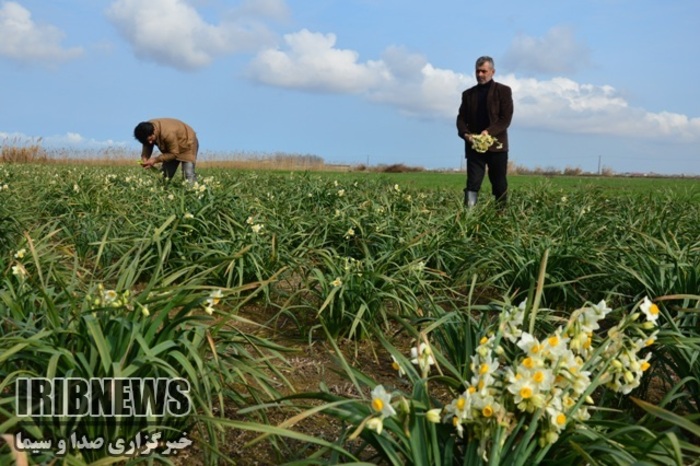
483	340
484	369
460	403
455	421
561	419
645	366
538	377
526	392
653	309
471	389
487	411
529	363
377	404
395	366
650	342
481	384
553	341
535	348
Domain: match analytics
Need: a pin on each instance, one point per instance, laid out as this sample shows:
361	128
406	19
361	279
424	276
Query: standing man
486	109
176	141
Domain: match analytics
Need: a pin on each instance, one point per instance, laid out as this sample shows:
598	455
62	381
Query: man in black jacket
486	110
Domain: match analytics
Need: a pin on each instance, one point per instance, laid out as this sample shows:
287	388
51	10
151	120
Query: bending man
176	141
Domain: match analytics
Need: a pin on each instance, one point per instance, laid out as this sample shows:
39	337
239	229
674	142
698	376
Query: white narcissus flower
257	228
422	357
109	296
188	215
20	254
650	310
18	271
381	402
397	367
214	297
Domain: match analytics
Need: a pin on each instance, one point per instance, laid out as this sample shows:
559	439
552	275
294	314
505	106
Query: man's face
152	138
484	73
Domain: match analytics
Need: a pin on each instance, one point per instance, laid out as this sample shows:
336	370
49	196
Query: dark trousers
497	164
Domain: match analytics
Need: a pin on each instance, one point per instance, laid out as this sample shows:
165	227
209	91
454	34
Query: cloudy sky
609	83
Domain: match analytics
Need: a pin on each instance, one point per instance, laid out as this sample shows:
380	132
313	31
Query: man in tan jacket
176	141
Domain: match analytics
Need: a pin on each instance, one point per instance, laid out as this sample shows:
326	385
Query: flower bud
375	424
433	415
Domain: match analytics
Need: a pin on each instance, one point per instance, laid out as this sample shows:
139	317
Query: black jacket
500	111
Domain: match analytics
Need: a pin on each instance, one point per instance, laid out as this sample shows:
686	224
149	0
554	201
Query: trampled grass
358	260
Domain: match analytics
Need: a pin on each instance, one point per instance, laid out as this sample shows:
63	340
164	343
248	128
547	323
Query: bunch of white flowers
545	381
482	142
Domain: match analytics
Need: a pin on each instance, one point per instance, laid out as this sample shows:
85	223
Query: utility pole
599	167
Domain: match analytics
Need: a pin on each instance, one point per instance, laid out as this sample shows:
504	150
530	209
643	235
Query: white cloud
70	140
311	62
556	53
25	41
563	105
417	87
172	33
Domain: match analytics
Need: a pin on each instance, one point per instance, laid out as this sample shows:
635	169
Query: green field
357	317
422	180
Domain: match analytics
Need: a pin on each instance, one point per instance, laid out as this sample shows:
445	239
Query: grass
340	272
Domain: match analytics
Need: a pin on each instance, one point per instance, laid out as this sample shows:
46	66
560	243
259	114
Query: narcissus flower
214	297
18	271
381	402
397	367
650	310
422	357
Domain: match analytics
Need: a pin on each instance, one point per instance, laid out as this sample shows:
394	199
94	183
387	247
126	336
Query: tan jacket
175	139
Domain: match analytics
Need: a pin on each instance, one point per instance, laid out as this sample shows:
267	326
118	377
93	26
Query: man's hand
147	163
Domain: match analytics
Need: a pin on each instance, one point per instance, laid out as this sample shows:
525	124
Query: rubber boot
470	198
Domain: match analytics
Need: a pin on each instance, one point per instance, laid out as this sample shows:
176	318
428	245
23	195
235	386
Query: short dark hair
143	130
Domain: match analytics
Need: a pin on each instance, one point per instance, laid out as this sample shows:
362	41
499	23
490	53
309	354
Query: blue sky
597	81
